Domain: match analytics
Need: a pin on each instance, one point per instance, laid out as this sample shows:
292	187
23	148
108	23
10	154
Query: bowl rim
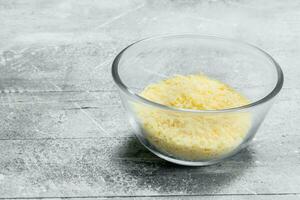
137	97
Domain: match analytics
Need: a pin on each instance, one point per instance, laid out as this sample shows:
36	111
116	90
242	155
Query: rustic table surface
63	132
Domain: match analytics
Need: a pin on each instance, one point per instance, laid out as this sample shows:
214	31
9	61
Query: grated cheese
193	136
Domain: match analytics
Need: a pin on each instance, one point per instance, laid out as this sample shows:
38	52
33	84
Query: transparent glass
246	68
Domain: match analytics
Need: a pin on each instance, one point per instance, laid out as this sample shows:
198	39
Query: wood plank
41	73
223	197
63	115
110	166
94	114
176	197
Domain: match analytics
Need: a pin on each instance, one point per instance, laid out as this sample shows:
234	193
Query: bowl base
184	162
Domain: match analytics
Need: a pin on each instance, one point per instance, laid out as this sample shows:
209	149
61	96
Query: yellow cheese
193	136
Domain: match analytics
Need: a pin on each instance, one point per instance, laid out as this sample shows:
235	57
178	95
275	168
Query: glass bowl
246	68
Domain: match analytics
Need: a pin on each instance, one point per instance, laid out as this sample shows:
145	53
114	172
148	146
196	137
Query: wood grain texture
63	131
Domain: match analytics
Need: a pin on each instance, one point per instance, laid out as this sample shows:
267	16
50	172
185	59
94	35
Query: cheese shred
193	136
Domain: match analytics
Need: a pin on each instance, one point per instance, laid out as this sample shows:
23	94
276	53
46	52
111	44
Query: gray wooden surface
63	131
